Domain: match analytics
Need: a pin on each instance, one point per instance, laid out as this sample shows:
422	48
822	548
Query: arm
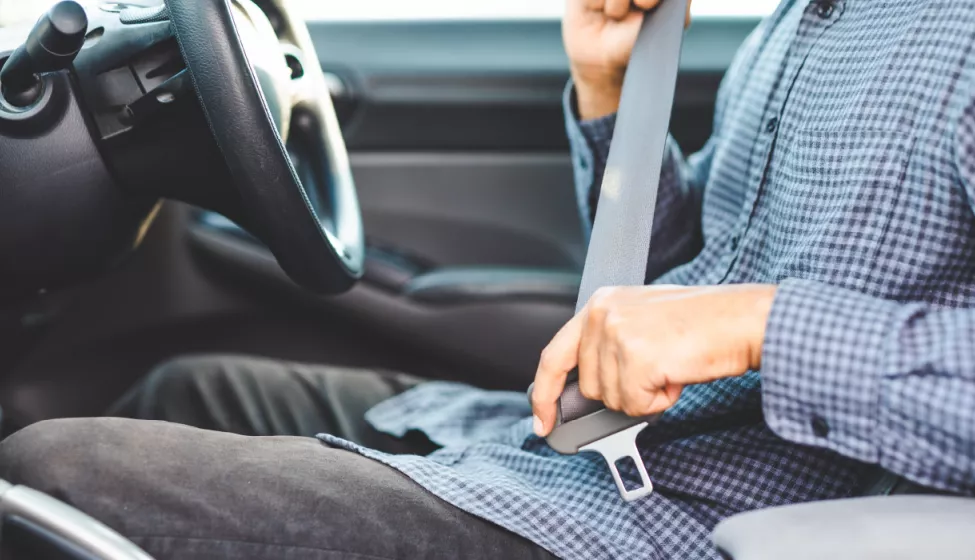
894	384
599	37
874	380
677	226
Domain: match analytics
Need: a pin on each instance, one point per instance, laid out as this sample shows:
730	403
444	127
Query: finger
636	392
639	397
661	290
589	347
638	383
557	360
643	293
635	402
616	9
646	5
593	5
687	18
609	378
663	399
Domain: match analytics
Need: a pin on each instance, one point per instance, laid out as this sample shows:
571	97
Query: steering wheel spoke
263	93
305	87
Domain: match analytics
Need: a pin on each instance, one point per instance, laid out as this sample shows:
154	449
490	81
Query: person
809	321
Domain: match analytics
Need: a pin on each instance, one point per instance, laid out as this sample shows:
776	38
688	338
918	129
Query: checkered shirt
842	168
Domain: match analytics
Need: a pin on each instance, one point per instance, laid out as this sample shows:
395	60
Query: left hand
637	348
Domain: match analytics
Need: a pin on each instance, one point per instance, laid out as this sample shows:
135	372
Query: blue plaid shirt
842	168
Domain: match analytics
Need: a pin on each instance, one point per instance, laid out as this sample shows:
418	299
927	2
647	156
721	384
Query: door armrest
473	285
904	527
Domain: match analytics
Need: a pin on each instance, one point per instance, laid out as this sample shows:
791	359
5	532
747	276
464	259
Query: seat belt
620	243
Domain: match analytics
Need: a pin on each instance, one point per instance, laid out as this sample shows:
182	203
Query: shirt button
583	164
734	243
819	426
772	125
825	9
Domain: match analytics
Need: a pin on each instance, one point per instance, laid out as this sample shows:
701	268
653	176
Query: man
828	230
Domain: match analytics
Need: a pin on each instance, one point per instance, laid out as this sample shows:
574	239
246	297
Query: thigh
181	492
262	397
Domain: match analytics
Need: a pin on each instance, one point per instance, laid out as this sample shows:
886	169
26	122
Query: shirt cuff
589	141
823	365
598	132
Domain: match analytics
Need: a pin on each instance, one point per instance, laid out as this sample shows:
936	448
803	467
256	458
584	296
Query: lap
182	492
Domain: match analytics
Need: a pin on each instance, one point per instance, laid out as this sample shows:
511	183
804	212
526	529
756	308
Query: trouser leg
261	397
180	492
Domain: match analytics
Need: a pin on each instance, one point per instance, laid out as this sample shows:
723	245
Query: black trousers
251	483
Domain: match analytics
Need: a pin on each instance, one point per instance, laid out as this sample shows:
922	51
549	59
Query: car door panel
473	208
473	113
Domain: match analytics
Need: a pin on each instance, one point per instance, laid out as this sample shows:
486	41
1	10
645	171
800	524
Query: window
12	11
18	11
357	10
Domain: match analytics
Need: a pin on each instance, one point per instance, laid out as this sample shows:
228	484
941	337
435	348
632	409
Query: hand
637	348
599	36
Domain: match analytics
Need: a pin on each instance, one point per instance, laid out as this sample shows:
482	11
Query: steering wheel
105	112
202	101
251	98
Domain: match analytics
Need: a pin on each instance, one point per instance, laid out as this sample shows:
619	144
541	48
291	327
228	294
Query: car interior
421	216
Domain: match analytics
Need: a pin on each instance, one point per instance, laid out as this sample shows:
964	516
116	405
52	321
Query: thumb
559	358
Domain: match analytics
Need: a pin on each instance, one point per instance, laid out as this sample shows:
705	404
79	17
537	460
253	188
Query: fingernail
537	425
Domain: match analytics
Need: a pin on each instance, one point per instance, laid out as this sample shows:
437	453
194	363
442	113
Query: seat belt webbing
620	242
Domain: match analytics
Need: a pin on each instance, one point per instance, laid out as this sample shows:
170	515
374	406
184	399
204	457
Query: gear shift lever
52	45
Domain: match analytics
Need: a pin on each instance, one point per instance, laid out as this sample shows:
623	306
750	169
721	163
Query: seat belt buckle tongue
622	445
621	236
610	433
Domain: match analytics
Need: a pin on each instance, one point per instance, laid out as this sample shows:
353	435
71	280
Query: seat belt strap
620	242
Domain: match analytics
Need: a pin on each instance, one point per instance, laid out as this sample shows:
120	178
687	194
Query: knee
177	374
46	455
168	381
176	381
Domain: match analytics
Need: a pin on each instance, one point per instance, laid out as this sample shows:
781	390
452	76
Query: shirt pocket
832	196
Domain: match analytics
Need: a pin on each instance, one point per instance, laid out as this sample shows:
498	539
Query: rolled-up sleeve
875	380
589	142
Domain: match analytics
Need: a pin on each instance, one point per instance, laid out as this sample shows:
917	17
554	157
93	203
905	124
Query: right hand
599	36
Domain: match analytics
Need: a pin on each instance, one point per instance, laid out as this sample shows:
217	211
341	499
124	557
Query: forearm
875	380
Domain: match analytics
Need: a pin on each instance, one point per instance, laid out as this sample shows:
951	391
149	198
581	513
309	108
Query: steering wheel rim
250	99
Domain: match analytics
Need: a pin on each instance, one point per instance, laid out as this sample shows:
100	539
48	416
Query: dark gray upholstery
467	285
